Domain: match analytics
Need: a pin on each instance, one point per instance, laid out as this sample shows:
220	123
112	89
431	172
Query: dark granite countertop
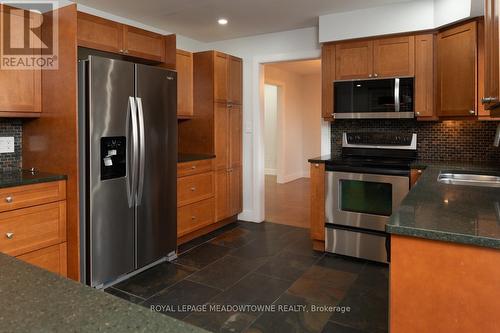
34	300
452	213
181	158
12	178
320	159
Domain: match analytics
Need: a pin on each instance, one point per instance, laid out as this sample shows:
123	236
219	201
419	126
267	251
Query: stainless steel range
363	187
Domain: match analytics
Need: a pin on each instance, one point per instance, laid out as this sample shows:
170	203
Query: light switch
6	144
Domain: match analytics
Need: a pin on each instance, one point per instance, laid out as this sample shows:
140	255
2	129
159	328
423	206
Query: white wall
396	18
271	129
312	122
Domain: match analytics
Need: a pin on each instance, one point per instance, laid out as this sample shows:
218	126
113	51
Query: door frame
258	124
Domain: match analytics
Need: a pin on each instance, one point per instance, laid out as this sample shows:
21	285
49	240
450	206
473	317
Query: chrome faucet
496	143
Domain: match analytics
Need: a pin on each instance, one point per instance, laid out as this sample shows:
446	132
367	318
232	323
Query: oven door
363	200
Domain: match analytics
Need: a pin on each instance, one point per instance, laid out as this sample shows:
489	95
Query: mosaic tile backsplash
470	141
12	127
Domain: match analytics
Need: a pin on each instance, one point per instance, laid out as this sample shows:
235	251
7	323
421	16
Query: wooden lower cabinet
444	287
235	191
318	205
195	188
52	258
195	216
33	224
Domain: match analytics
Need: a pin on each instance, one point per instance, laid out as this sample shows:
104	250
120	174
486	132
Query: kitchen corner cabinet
21	89
424	77
491	80
457	71
376	58
327	78
184	64
33	224
317	213
106	35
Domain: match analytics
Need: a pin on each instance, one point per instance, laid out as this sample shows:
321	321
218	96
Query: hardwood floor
288	203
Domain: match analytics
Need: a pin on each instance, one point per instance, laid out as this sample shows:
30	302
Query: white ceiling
197	19
302	67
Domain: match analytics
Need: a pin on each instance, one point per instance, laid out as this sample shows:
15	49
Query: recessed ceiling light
222	21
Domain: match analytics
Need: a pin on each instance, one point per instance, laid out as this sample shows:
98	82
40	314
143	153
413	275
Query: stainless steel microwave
376	98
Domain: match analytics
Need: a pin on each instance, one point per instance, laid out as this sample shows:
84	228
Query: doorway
292	135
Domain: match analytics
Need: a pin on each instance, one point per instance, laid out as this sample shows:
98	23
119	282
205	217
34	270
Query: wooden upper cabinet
21	94
143	44
394	57
184	64
491	80
354	60
221	77
457	71
424	77
105	35
235	80
98	33
327	78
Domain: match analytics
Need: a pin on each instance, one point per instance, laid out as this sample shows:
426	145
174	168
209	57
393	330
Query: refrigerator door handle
142	150
132	179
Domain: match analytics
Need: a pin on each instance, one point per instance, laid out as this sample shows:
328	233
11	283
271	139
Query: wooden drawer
33	228
31	195
194	167
52	258
195	216
195	188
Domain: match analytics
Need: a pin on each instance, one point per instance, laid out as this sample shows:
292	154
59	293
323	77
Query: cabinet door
235	80
354	60
221	77
491	54
98	33
184	64
457	71
20	89
327	78
221	195
394	57
221	127
235	135
424	76
235	193
318	201
143	44
51	258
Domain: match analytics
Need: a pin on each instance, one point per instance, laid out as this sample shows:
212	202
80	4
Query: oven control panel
379	139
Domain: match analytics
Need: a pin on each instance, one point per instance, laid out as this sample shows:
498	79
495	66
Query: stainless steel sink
457	178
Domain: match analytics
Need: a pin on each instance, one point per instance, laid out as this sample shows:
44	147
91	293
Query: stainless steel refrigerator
128	161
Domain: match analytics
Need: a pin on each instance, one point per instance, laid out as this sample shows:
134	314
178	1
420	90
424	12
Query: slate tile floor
260	264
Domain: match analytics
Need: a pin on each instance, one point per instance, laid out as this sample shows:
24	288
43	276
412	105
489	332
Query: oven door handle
368	170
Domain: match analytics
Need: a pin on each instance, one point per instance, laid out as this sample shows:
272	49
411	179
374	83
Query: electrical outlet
6	144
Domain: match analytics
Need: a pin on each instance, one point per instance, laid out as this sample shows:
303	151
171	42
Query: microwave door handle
396	95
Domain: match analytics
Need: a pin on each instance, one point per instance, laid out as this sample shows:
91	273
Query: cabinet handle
121	51
487	100
9	199
417	113
316	165
193	167
419	172
126	51
376	75
9	235
369	75
193	189
193	218
472	112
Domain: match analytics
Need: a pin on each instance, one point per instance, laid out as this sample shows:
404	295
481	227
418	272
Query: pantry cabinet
327	78
457	71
